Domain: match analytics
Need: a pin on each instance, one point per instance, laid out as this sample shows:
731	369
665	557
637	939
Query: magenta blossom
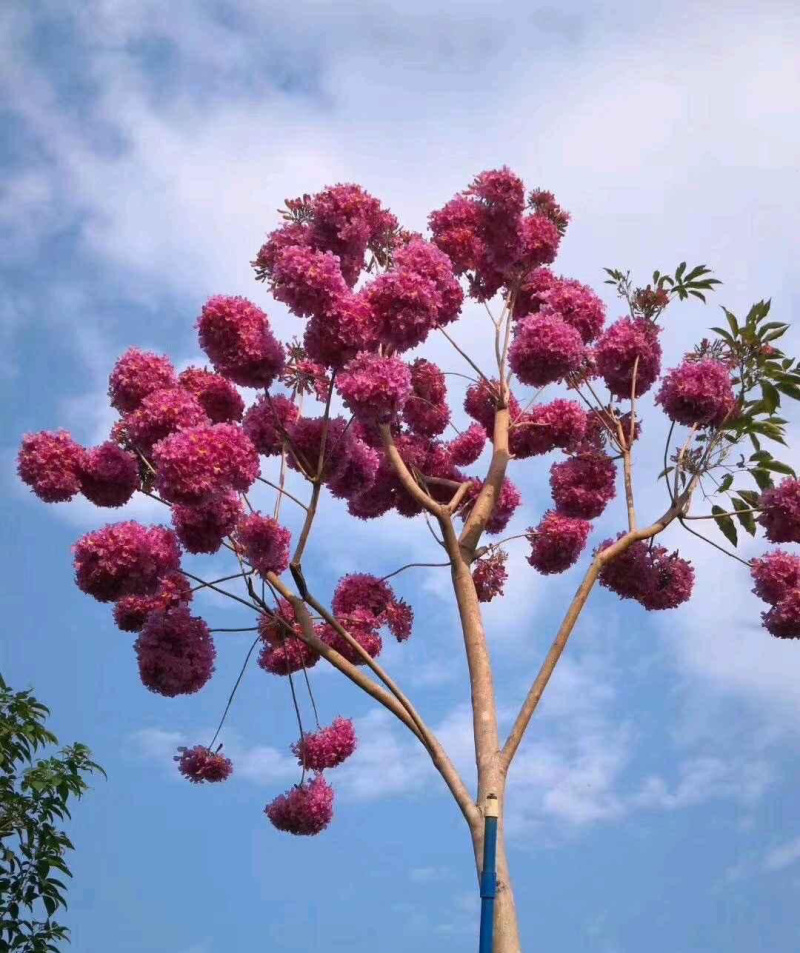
375	388
583	485
217	396
490	575
199	764
265	543
545	349
327	747
780	512
557	542
202	528
176	652
697	393
50	463
305	809
775	574
135	375
629	343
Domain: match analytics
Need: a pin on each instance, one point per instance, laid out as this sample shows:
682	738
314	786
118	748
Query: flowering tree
369	293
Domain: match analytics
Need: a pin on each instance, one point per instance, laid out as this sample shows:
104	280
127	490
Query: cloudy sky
146	148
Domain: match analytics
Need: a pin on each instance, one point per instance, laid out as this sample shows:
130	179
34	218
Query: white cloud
783	856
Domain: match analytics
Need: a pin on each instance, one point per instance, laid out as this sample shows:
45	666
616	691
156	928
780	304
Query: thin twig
410	566
282	493
222	592
233	692
466	357
711	542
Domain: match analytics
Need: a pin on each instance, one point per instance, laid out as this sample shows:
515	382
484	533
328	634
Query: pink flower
783	619
176	652
130	612
373	502
539	240
216	395
265	543
651	575
501	190
406	305
109	476
490	575
456	231
670	580
544	203
291	656
531	295
616	355
308	281
573	302
375	387
266	422
504	507
198	463
305	447
775	574
346	220
557	542
327	747
583	485
468	446
135	375
362	625
545	349
482	401
561	423
50	463
355	469
424	258
161	413
350	326
305	809
290	234
697	393
199	764
202	528
780	512
124	559
399	619
426	412
360	590
236	336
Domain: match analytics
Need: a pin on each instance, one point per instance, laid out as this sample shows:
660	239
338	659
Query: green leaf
778	467
725	524
680	270
726	483
791	390
724	335
772	399
744	516
774	335
762	478
732	321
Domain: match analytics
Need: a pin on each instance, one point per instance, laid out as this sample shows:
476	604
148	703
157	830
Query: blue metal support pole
488	874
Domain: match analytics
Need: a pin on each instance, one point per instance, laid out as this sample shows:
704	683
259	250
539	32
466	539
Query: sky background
146	148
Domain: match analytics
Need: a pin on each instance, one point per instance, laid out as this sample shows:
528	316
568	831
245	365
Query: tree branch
573	612
404	474
487	498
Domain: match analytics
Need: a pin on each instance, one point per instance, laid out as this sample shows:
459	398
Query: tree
370	292
33	803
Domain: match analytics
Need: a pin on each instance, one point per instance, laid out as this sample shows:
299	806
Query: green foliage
33	806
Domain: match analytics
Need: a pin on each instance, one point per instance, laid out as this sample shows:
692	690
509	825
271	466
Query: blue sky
654	803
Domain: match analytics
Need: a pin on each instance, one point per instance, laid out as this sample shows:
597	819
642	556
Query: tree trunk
506	927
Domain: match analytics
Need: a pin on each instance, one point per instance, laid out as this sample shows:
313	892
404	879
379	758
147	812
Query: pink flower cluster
284	652
573	302
199	764
375	388
305	809
560	424
697	393
265	543
236	336
124	559
108	475
372	603
490	575
50	464
161	413
777	581
654	577
489	237
557	542
505	505
629	343
545	349
267	421
199	463
780	512
202	528
131	612
328	747
426	412
176	652
467	446
135	375
217	396
583	485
